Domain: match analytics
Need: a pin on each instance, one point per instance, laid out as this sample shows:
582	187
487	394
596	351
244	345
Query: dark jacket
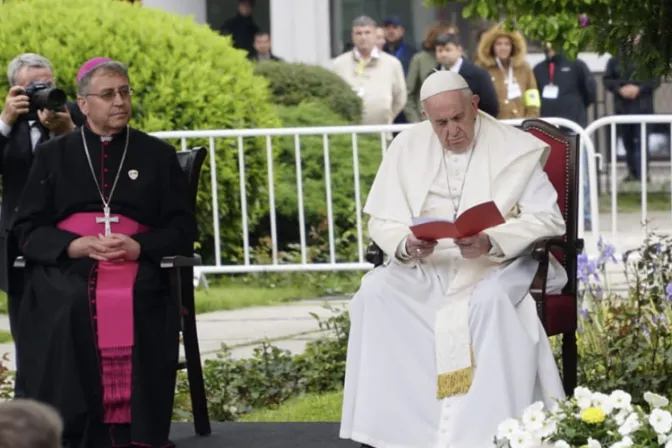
479	82
242	30
577	88
15	163
256	58
617	76
404	52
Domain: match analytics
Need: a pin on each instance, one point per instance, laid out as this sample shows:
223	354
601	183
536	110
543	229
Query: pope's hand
419	249
474	246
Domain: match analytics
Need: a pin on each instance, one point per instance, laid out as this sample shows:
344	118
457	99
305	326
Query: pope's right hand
419	249
93	247
16	104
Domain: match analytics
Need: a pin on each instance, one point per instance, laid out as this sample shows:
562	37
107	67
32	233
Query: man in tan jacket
377	77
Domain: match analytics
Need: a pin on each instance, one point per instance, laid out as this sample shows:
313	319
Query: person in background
375	76
20	133
380	38
568	88
242	27
422	65
448	53
632	96
395	44
502	53
262	48
29	424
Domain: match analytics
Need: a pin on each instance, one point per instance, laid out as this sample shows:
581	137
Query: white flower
668	444
603	402
630	425
563	444
655	400
592	443
548	429
663	439
661	421
534	418
507	428
584	397
620	399
521	439
622	414
624	443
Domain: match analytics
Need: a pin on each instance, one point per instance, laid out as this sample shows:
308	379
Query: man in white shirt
19	135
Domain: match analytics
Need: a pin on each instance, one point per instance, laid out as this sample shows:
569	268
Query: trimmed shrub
313	172
185	76
293	84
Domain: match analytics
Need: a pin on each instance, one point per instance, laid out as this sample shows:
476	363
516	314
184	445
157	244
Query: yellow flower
593	415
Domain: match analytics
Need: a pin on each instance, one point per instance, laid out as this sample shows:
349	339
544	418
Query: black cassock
58	347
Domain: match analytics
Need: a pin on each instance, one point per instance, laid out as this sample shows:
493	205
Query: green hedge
293	84
309	114
185	76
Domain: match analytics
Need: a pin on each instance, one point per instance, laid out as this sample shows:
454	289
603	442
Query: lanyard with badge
550	90
512	88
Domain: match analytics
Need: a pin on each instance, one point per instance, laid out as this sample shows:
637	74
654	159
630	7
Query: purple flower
668	292
584	21
646	331
658	248
584	312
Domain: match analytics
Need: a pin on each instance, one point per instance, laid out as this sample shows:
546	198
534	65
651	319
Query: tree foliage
604	26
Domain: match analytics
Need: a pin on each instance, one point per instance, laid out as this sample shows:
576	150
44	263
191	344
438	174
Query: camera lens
50	98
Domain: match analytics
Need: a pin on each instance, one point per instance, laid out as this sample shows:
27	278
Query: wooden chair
181	273
558	313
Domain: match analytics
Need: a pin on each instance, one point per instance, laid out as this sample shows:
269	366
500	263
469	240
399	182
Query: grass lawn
632	202
309	408
5	337
228	293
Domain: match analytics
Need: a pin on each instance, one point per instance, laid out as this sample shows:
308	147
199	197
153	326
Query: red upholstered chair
558	313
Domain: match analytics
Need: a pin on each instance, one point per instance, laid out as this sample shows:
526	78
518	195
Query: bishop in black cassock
98	331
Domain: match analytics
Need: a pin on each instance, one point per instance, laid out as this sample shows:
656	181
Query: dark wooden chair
181	273
558	313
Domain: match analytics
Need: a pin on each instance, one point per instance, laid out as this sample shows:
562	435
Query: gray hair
29	424
363	21
26	60
84	84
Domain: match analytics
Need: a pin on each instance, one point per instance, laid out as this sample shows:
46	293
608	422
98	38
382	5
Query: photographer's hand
57	122
16	104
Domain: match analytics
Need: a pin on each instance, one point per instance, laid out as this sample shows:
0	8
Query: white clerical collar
105	139
456	66
375	54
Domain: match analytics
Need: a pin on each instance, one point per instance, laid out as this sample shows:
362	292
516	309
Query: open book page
424	220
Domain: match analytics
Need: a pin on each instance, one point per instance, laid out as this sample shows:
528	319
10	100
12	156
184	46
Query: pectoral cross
108	220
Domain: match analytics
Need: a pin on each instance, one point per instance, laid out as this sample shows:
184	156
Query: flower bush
592	420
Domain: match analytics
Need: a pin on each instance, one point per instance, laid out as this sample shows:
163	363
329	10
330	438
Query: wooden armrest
20	262
542	248
374	255
181	261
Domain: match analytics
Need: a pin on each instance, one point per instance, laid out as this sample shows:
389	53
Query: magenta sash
114	314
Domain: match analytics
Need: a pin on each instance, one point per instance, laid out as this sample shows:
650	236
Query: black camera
43	95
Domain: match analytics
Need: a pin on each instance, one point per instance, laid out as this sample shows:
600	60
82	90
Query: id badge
550	92
514	91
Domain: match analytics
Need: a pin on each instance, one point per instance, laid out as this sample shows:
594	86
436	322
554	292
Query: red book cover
471	222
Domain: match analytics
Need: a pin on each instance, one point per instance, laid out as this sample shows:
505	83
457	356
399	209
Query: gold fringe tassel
454	383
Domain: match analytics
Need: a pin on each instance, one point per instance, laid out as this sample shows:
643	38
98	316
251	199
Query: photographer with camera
34	111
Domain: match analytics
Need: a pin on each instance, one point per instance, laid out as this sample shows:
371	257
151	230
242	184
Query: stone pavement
291	326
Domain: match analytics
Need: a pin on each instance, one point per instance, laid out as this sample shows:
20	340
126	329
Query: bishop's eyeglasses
110	94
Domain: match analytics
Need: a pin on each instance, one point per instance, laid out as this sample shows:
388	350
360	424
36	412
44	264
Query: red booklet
469	223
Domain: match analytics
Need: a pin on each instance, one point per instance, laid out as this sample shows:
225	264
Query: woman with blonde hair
502	53
422	65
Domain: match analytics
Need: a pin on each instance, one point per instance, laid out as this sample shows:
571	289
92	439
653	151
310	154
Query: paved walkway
291	326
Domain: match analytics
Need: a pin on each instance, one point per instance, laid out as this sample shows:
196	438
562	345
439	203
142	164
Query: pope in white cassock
445	342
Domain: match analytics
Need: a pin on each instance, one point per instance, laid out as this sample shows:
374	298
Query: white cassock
390	397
